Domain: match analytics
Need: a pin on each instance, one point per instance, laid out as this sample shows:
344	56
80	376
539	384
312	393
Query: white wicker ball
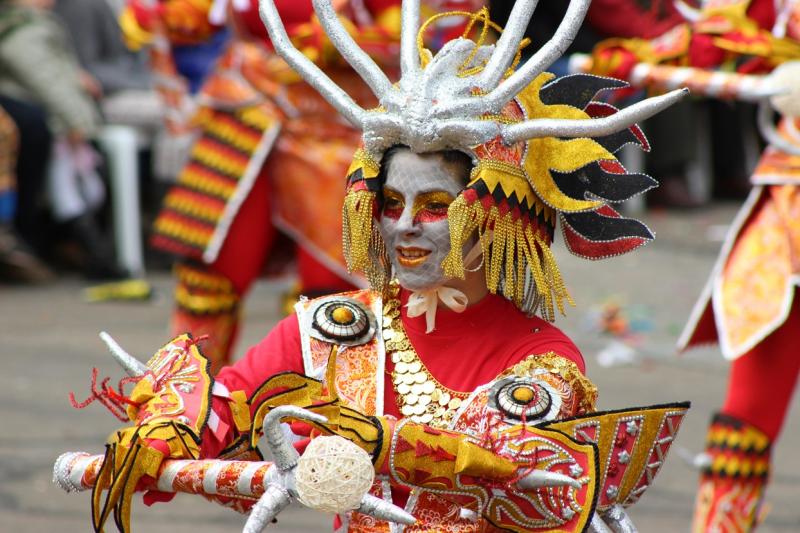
787	76
333	474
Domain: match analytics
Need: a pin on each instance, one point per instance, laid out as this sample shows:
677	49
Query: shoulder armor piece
519	397
341	320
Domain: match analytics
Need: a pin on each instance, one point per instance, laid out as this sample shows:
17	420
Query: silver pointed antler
409	26
369	71
310	72
508	44
374	506
283	453
268	506
132	366
543	58
597	127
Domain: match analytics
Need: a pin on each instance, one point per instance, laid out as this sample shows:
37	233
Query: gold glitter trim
366	163
583	391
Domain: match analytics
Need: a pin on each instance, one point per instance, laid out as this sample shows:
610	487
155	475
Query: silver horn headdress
542	148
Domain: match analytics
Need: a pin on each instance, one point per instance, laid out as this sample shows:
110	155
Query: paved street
49	344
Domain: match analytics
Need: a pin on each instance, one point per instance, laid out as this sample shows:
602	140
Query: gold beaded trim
420	396
512	249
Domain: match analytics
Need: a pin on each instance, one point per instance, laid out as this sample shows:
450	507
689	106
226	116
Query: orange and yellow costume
264	136
485	422
749	305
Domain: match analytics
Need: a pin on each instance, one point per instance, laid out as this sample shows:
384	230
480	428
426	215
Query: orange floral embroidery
758	280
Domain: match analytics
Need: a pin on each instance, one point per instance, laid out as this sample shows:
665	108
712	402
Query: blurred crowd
66	73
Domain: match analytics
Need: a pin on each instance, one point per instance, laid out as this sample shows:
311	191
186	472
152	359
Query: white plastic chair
121	146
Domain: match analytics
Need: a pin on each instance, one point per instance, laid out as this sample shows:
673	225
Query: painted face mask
542	151
419	189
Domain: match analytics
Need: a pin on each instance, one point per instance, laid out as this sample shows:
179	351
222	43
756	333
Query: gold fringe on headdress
364	249
357	220
512	252
513	199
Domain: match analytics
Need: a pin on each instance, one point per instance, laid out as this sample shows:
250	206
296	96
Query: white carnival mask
414	225
416	195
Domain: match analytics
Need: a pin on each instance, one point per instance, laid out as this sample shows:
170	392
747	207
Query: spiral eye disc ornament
532	399
342	321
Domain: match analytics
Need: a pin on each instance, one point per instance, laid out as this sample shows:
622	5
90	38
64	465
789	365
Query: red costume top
506	337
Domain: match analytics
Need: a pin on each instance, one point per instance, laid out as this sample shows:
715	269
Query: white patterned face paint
418	190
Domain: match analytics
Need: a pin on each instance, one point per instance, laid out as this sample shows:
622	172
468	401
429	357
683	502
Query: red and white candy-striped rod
76	471
723	85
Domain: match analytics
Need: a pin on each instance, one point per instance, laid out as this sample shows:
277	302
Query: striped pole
77	471
722	85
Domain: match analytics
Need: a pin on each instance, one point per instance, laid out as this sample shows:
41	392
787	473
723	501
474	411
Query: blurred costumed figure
475	412
9	138
264	135
17	261
745	50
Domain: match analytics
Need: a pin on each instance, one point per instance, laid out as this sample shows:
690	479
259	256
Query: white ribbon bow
426	302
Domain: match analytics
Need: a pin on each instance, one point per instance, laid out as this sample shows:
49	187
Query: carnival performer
265	136
748	305
475	412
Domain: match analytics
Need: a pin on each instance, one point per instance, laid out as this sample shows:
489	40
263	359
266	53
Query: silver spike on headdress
355	56
436	108
409	56
334	94
132	366
500	95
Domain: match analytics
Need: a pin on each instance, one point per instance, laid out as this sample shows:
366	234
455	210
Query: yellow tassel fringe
364	249
509	250
357	221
